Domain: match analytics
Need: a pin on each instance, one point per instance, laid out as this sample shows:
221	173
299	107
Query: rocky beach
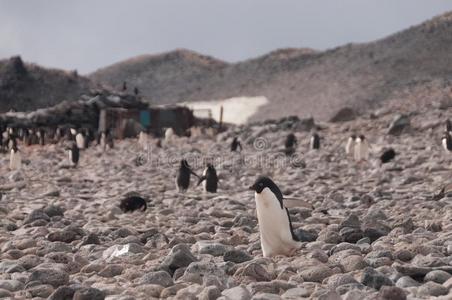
367	231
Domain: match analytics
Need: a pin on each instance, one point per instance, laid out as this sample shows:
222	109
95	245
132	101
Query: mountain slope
300	81
26	87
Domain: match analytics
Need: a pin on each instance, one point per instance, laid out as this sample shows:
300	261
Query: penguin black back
183	176
315	141
75	154
211	179
235	145
387	155
289	145
132	203
447	141
449	126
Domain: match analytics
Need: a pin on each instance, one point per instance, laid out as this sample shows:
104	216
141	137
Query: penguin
105	140
143	140
289	145
132	203
350	146
183	176
315	142
209	179
40	133
169	135
15	159
275	227
446	141
361	150
74	155
387	156
80	140
235	145
449	126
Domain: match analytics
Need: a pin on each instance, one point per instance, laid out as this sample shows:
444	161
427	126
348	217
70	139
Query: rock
53	277
62	293
406	281
10	267
254	271
209	293
432	289
266	296
304	235
11	285
295	293
111	271
37	214
160	277
437	276
5	294
42	291
317	273
330	237
90	239
352	221
237	256
353	263
212	248
399	124
391	293
122	250
53	210
89	294
404	255
351	235
336	280
374	279
236	293
65	236
343	115
179	256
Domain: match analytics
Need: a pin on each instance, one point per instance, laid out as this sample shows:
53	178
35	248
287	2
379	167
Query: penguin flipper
201	179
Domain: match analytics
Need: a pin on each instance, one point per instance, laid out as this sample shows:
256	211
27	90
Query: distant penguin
74	155
449	126
209	179
80	140
15	159
71	135
446	142
290	143
275	227
40	133
105	140
183	176
361	148
132	203
143	140
236	145
169	135
314	143
387	156
350	146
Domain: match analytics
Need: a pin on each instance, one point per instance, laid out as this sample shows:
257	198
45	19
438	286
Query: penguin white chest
361	150
15	161
80	140
274	227
349	146
444	143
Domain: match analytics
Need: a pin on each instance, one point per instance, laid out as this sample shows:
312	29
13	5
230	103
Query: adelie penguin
15	159
449	126
350	146
209	179
290	144
183	176
314	143
74	155
80	140
132	203
361	149
446	142
275	227
387	156
236	145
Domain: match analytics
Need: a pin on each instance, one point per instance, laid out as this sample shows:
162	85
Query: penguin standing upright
449	126
275	227
183	176
169	135
446	142
209	179
235	145
361	148
80	140
15	159
290	143
350	146
40	133
74	155
315	142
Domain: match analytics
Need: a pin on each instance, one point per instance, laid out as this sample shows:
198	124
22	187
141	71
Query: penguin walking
80	140
446	142
314	143
74	155
290	144
15	159
361	150
275	226
183	176
132	203
350	146
387	156
236	145
209	179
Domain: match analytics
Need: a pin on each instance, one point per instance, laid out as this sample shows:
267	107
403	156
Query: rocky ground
369	232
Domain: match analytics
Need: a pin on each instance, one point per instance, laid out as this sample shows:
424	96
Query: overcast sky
88	34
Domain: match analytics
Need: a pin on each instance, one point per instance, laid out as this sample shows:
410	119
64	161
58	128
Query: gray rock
179	256
304	235
5	294
406	281
212	248
432	289
399	124
336	280
266	296
237	256
89	294
351	235
343	115
62	293
37	214
160	277
295	293
54	277
53	210
209	293
90	239
374	279
404	255
8	266
437	276
111	271
353	263
42	291
65	236
254	271
391	293
237	293
317	273
352	221
11	285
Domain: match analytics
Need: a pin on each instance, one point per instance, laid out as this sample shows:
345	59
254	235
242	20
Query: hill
26	87
303	81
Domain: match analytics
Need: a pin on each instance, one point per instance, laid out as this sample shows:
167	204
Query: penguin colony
277	236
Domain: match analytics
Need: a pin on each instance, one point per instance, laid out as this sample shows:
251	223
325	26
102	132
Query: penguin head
184	164
263	182
14	148
73	131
